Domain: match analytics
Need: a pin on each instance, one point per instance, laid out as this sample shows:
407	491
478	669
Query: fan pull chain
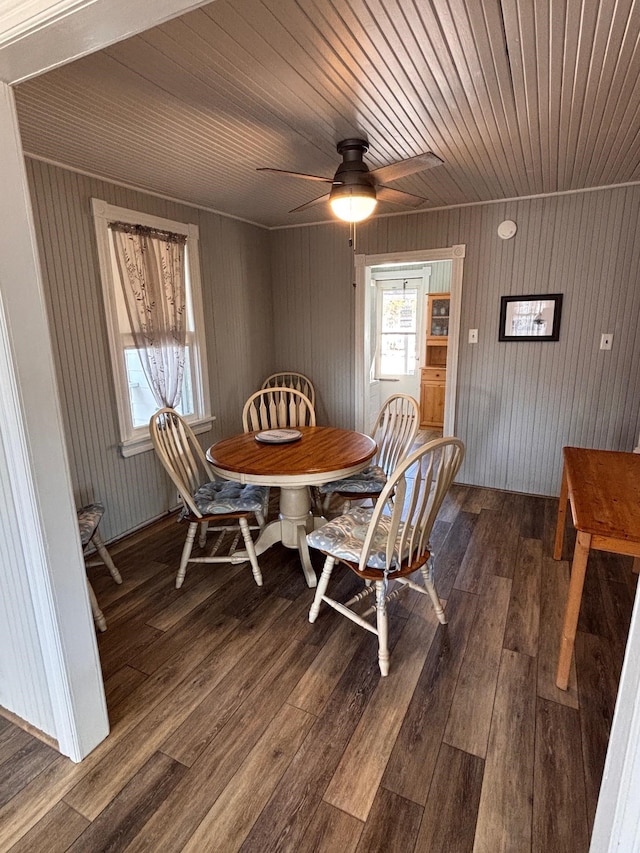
352	244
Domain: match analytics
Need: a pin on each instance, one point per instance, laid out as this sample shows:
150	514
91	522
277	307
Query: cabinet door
438	319
432	404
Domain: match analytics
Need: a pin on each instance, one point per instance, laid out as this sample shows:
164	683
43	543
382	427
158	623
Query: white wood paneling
313	310
518	403
616	826
37	496
237	308
24	689
36	35
440	278
518	98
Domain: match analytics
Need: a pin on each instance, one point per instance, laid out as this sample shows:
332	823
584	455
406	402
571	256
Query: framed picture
530	318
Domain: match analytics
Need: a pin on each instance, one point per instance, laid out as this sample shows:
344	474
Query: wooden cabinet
433	377
432	390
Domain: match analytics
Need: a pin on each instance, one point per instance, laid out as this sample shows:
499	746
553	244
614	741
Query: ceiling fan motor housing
353	171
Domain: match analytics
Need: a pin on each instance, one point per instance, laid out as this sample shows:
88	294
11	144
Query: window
136	402
397	331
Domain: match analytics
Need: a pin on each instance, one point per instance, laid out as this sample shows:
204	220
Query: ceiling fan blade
398	197
308	204
403	168
295	174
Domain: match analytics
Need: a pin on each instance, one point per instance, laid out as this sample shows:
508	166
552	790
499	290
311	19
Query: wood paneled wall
313	310
440	278
518	403
237	307
24	688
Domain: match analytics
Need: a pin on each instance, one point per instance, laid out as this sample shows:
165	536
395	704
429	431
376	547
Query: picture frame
534	317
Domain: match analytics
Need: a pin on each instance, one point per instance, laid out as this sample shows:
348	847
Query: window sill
133	446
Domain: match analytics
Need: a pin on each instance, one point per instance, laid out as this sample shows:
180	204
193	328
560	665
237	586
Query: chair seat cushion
223	497
372	479
88	519
344	537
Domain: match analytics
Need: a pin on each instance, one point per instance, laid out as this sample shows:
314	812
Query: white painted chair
288	379
271	408
89	517
396	542
394	432
205	499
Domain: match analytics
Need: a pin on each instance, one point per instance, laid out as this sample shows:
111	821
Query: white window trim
103	213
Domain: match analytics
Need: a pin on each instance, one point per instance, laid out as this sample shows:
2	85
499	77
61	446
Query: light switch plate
606	340
473	336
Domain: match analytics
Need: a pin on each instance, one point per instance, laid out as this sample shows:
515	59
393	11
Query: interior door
397	334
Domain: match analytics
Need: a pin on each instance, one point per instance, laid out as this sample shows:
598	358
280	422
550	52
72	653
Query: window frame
135	440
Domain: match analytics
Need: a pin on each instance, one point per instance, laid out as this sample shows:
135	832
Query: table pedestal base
294	522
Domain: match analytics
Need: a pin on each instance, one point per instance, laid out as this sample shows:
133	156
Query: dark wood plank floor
236	725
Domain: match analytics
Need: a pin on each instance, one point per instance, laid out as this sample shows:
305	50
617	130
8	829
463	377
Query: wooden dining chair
278	407
297	381
391	541
206	500
89	517
394	432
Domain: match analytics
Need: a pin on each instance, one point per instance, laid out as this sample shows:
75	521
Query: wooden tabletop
604	491
322	454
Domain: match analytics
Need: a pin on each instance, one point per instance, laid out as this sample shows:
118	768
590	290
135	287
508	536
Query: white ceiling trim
324	221
145	191
469	204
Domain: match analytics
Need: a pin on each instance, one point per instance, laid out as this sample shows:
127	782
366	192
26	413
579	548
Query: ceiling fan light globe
353	204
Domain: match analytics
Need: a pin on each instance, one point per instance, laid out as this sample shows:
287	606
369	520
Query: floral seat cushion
223	497
88	519
372	479
343	538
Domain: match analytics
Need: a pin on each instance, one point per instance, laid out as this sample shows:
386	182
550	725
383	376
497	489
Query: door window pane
398	325
398	355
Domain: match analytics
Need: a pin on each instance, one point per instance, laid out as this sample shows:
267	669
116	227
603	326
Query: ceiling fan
355	190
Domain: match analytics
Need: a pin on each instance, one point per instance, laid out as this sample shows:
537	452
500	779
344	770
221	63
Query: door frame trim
456	255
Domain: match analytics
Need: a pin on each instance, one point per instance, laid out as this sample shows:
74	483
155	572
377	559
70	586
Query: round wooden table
320	455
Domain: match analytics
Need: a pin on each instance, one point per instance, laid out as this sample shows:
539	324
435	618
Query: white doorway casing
51	674
455	254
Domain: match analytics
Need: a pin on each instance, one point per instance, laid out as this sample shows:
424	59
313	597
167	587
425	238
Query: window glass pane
397	355
141	400
398	325
399	310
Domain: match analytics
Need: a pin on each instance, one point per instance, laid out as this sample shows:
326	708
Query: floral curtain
151	264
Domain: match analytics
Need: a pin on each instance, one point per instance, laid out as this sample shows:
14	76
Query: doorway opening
407	332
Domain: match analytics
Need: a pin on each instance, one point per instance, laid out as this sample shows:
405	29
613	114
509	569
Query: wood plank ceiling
517	97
